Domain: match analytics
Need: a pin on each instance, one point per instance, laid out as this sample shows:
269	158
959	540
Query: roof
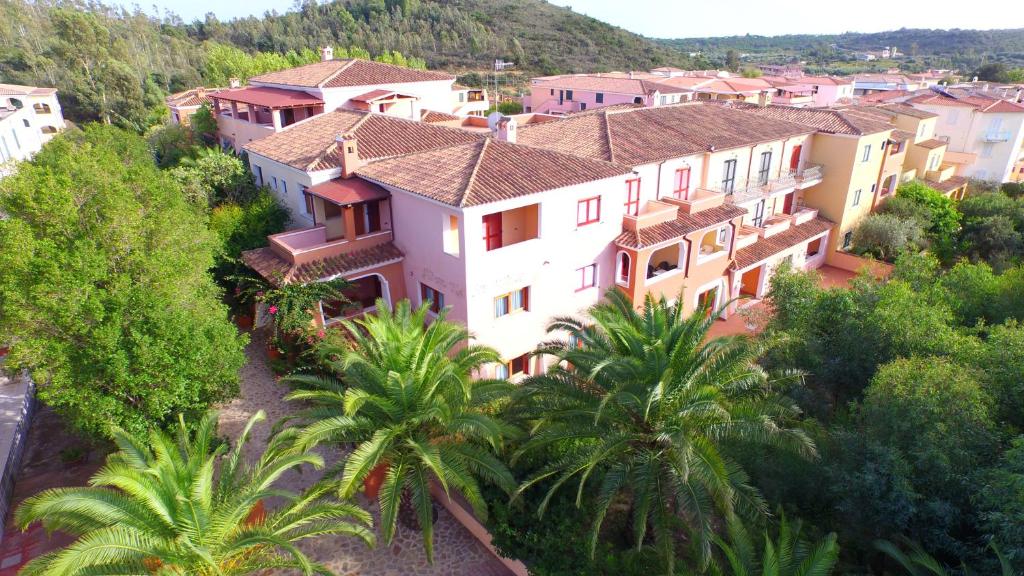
191	98
269	97
980	102
487	171
642	135
345	191
932	143
902	135
885	96
908	111
351	72
765	248
829	120
676	229
948	185
19	90
609	83
310	144
374	95
834	80
435	116
277	270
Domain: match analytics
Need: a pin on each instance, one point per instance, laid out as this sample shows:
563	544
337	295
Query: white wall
290	194
433	95
966	129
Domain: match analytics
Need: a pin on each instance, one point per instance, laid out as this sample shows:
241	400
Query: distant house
183	105
579	92
29	118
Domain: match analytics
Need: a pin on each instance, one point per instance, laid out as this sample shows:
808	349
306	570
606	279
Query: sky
690	18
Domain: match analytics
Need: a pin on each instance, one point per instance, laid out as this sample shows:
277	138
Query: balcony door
765	168
492	231
729	176
794	159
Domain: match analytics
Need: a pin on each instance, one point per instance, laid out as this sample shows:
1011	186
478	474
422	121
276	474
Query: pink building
579	92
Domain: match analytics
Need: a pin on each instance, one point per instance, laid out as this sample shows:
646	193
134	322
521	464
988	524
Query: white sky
690	18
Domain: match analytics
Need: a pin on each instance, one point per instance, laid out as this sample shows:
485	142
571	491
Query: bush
945	220
885	236
907	208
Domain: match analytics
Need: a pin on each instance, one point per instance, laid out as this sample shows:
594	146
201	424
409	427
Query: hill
956	48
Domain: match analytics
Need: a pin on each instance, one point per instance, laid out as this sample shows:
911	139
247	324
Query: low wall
464	514
854	263
17	403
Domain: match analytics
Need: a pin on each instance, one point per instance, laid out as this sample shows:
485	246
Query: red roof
269	97
374	95
345	191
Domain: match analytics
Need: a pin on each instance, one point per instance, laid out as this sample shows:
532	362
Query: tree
732	60
647	406
788	555
919	563
886	236
105	289
945	220
1000	499
204	125
409	402
189	504
211	176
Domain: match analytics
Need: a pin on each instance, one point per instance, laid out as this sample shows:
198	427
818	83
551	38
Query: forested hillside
116	65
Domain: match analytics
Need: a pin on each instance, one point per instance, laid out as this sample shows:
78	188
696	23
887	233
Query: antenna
492	120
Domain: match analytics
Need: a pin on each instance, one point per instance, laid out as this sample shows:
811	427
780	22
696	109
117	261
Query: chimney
762	98
234	83
200	92
507	130
326	53
348	151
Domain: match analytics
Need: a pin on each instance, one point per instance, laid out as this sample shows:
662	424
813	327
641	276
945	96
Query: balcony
745	191
747	235
503	229
652	213
698	199
313	244
803	215
945	172
809	175
997	136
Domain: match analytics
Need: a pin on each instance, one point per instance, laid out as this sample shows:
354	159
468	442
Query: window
514	301
492	231
813	247
588	211
682	188
729	176
847	240
766	164
433	296
583	106
867	153
27	124
638	100
599	97
519	365
451	234
873	188
623	268
856	197
462	96
284	187
259	175
552	91
633	196
307	200
586	277
273	182
568	95
664	100
501	371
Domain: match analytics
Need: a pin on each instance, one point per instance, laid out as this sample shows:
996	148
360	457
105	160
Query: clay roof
269	97
676	229
947	186
643	135
19	90
830	120
435	116
932	143
310	144
884	96
373	95
610	83
345	191
277	270
902	135
352	72
968	99
765	248
190	98
486	171
834	80
908	111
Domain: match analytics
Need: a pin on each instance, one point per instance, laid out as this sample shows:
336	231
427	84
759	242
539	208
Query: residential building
29	118
870	83
578	92
829	90
782	70
984	133
273	101
183	105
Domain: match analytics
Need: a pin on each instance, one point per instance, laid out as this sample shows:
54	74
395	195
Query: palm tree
917	562
188	504
646	405
789	555
407	399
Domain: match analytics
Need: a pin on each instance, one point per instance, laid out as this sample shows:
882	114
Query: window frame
586	204
623	268
436	304
509	299
632	204
581	277
682	192
856	196
866	153
599	97
764	169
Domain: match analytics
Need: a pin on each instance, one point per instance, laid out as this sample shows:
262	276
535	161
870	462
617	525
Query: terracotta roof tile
969	99
932	143
676	229
269	97
765	248
610	83
644	135
353	72
949	185
310	144
277	270
435	116
19	90
833	121
193	97
908	111
486	171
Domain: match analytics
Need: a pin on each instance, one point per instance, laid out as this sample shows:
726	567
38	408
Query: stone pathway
456	551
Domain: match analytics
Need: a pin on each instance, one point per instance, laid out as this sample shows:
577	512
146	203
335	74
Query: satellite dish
493	118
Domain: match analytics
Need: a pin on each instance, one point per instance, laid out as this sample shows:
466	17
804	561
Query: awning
345	191
269	97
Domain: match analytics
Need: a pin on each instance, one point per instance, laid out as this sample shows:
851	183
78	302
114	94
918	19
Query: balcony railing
744	191
998	136
810	173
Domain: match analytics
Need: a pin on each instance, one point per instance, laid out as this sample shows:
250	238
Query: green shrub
945	220
885	236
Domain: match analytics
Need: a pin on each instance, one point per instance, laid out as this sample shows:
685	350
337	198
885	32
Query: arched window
16	103
26	123
48	130
623	268
41	108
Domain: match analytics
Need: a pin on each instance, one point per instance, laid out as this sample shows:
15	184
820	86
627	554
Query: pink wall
542	101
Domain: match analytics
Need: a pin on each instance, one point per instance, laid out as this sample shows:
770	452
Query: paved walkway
456	551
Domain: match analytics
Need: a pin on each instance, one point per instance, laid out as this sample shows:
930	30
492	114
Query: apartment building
865	84
29	118
271	102
984	133
578	92
183	105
